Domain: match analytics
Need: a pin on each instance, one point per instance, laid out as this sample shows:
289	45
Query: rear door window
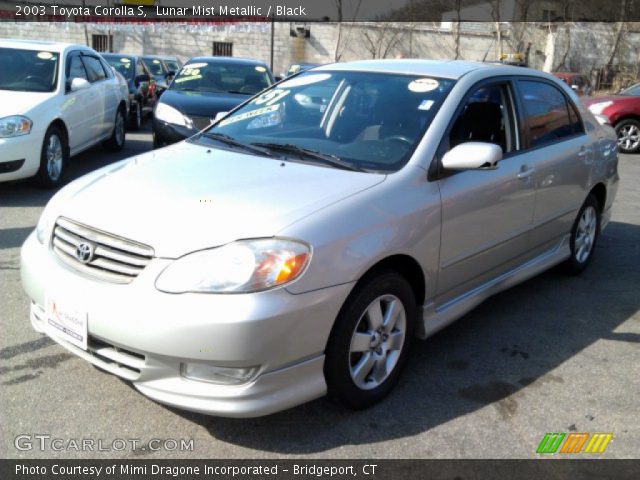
550	117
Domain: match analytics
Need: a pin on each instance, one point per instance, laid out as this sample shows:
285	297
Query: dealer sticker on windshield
251	114
67	323
422	85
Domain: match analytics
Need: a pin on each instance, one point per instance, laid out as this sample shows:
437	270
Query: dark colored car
623	112
578	82
160	72
142	97
204	87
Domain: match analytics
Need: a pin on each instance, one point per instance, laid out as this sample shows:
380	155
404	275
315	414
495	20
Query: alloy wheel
629	137
377	342
54	157
585	234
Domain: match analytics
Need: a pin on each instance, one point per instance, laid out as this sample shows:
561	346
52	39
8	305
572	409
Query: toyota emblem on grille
84	252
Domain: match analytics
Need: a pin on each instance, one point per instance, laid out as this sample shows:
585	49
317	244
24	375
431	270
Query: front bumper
166	133
22	152
144	335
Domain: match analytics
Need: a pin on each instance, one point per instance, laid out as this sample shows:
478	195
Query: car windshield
123	65
219	77
371	121
633	90
154	65
28	70
172	65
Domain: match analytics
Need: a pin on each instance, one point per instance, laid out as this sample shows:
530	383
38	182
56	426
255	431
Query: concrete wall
586	45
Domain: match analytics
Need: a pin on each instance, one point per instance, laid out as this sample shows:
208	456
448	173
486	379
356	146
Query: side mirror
472	156
277	78
142	79
219	115
79	84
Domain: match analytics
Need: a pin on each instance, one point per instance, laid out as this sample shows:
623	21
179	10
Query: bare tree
381	39
340	6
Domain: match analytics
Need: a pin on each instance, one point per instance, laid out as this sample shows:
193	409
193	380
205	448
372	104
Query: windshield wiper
333	160
229	140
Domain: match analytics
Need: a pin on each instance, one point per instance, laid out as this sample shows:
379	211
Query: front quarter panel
399	216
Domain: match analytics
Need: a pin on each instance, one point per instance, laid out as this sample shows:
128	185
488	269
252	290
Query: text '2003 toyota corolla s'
297	246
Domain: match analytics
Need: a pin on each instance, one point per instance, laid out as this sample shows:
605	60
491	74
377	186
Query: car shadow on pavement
512	341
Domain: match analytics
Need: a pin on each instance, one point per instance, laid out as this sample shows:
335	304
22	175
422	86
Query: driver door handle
525	173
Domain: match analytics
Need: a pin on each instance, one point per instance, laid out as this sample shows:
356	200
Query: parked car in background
173	64
577	82
285	253
56	100
140	85
203	88
298	67
623	112
161	74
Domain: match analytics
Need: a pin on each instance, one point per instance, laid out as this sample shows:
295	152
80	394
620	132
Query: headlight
238	267
45	224
14	126
597	108
170	115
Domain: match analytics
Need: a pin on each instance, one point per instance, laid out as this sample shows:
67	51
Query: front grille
111	258
200	123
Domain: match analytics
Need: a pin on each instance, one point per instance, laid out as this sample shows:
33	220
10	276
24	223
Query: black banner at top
327	10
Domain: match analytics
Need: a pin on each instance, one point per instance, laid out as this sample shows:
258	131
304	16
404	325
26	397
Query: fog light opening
202	372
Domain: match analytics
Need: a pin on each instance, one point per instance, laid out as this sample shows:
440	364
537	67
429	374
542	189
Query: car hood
187	197
19	103
200	103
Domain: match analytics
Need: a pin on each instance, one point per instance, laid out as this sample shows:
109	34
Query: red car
623	112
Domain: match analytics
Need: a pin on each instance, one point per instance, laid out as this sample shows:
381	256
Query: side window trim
70	56
528	147
435	171
89	55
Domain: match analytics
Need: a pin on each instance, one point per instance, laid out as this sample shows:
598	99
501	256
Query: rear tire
53	158
628	131
370	340
116	142
584	236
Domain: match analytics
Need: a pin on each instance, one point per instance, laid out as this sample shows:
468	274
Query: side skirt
435	319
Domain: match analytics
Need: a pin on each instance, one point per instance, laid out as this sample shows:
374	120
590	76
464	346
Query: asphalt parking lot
555	354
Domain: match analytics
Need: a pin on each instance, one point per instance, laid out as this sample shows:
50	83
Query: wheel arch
600	192
58	122
626	116
405	265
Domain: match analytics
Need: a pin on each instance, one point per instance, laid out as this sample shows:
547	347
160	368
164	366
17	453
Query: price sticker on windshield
271	97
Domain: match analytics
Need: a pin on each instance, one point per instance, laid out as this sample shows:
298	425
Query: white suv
56	100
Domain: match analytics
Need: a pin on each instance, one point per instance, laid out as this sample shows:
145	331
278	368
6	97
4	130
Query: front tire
135	122
628	132
116	142
370	340
53	158
584	236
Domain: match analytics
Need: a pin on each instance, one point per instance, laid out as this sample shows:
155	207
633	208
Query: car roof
451	69
59	47
236	60
119	55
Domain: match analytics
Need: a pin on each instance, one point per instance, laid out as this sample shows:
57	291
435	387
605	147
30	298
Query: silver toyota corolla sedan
296	247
